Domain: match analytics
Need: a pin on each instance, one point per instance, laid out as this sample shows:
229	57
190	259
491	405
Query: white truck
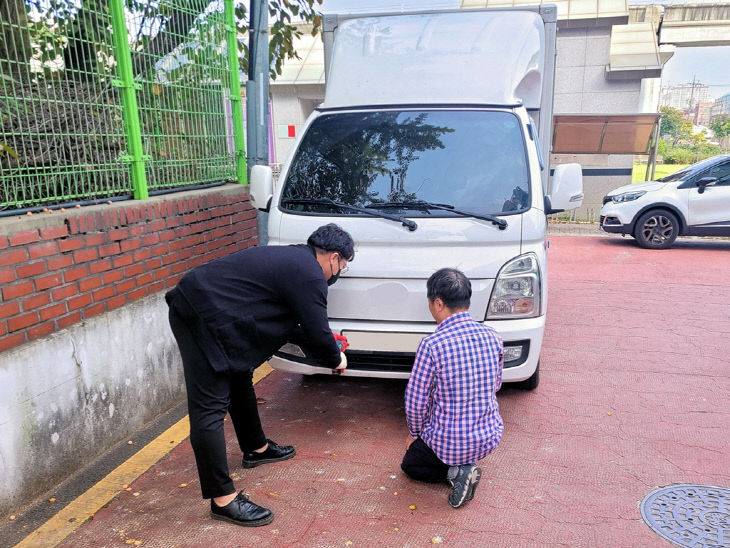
431	150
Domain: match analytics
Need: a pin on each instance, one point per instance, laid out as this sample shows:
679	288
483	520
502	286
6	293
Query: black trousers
210	396
422	464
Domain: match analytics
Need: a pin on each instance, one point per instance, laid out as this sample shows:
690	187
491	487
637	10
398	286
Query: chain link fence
101	99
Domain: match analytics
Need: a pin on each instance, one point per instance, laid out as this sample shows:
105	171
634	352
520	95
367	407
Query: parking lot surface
633	396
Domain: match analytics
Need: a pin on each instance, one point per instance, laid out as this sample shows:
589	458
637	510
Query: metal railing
125	97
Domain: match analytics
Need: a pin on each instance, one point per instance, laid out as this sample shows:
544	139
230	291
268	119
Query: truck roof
458	57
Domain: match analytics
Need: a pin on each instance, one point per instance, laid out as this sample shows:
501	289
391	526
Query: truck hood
387	279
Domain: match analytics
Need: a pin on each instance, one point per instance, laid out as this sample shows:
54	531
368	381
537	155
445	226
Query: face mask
332	279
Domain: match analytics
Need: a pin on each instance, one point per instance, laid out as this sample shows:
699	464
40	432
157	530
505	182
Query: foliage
689	154
721	126
673	125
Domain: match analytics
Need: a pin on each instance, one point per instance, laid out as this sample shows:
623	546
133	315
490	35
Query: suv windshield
397	159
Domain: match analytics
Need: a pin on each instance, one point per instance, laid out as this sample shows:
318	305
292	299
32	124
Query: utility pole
257	96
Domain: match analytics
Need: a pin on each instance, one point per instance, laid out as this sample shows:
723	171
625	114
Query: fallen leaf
436	540
135	494
29	214
348	543
52	499
127	488
260	400
396	529
234	476
130	442
12	518
341	480
382	488
183	485
412	507
395	493
272	494
610	413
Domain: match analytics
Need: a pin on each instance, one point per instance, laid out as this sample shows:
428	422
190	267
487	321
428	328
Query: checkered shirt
450	398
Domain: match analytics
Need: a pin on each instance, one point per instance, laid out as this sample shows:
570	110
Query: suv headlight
516	291
627	196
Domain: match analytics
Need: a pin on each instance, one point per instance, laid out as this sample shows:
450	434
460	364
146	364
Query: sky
708	65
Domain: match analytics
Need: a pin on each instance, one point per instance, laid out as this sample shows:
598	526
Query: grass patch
661	170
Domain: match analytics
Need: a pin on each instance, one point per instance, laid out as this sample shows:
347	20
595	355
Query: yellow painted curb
76	513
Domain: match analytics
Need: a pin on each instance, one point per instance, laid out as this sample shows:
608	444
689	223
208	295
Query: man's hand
343	365
341	341
409	441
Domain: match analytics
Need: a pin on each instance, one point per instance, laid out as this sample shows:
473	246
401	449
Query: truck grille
380	361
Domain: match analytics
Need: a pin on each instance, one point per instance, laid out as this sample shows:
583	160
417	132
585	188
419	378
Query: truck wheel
532	382
656	229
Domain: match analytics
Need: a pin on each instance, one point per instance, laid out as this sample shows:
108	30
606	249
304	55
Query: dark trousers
210	396
422	464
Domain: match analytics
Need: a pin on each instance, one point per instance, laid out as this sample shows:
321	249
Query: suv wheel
656	229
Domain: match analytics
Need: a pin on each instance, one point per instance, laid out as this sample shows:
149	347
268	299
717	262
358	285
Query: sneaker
464	480
273	453
241	511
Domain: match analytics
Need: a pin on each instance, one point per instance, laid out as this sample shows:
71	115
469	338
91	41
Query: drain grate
697	516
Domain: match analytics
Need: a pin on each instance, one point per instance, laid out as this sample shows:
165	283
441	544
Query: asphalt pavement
633	396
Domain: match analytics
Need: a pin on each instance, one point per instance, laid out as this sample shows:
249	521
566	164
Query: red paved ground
633	396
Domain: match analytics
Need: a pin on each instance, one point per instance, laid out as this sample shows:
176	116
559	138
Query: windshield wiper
326	201
421	204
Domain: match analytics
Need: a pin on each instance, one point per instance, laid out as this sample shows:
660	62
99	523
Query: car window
722	173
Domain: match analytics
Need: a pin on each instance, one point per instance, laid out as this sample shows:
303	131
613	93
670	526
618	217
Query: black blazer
242	307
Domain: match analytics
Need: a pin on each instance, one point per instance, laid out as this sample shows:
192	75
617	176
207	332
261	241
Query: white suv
694	201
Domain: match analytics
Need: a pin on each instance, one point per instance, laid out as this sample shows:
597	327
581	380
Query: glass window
471	160
722	173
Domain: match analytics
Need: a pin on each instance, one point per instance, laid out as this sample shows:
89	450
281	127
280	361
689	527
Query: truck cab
430	150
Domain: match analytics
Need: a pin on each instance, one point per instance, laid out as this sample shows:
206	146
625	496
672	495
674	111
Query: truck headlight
627	196
516	291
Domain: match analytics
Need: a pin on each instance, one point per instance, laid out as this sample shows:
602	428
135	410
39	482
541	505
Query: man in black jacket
228	317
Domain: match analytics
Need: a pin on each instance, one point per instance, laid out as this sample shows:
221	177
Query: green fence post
130	112
235	93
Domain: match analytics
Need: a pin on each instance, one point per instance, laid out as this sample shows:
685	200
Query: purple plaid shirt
450	398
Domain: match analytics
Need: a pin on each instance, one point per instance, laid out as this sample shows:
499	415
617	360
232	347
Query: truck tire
656	229
532	382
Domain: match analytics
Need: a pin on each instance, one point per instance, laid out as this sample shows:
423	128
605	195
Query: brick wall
60	268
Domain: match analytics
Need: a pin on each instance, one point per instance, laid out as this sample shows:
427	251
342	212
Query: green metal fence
112	98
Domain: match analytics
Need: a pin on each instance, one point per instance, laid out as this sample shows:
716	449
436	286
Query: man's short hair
331	237
451	286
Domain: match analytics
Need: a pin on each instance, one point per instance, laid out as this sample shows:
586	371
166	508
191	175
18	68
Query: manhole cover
690	515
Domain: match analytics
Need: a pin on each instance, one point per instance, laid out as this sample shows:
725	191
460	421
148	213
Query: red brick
52	311
172	222
79	302
149	239
70	244
107	250
178	267
162	273
75	273
3	329
11	341
138	293
64	292
31	269
122	260
124	286
172	280
64	322
13	256
94	310
100	266
119	234
85	255
130	245
153	263
41	299
160	250
53	232
7	275
17	290
43	250
116	302
170	258
157	225
176	245
103	293
133	270
56	263
96	239
3	242
111	277
155	287
9	309
24	237
47	282
144	279
41	330
89	283
21	322
142	254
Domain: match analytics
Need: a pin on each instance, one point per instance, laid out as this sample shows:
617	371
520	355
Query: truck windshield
469	159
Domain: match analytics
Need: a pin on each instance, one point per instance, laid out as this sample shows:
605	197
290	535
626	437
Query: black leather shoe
273	453
241	511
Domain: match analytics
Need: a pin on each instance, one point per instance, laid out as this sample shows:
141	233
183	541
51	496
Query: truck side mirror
567	189
703	183
262	187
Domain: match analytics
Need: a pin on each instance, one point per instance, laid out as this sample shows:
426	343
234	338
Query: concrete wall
86	355
291	105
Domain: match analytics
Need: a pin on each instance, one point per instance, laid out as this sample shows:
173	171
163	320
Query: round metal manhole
689	515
